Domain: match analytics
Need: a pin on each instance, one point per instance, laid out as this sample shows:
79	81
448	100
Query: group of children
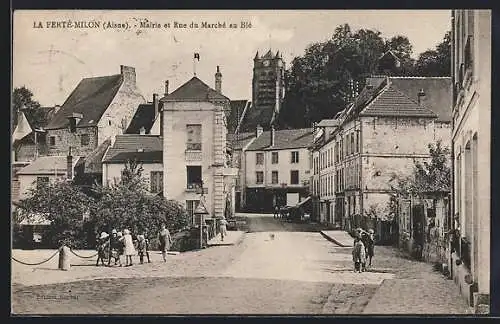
113	247
363	249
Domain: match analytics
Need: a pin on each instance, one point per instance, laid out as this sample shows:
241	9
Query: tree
402	48
431	177
436	62
22	98
65	205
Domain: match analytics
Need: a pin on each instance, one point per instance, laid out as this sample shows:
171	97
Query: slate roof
234	115
93	161
284	139
393	102
126	147
254	117
91	97
144	117
438	93
47	165
238	141
194	90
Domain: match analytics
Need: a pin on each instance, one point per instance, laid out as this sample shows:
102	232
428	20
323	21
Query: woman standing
129	247
165	241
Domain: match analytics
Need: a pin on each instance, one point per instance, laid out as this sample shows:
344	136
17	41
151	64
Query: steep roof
254	117
240	140
328	123
393	102
194	90
284	139
93	161
128	146
438	93
48	165
91	97
144	117
234	115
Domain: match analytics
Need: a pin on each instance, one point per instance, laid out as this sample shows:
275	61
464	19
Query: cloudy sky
51	61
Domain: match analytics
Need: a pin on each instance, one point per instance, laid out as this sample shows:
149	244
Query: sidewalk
232	238
341	238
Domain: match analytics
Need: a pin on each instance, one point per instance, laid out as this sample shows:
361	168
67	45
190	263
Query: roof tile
194	90
284	139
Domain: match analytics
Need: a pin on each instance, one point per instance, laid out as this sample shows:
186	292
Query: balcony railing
193	156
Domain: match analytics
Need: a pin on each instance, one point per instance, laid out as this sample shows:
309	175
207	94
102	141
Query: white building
471	76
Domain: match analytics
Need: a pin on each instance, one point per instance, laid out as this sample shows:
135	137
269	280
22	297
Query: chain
38	263
84	257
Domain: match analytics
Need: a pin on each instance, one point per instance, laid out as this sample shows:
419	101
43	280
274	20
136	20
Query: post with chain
64	258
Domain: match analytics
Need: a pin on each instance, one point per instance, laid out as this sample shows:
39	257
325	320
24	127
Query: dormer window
74	119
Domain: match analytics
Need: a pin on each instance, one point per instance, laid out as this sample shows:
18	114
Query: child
129	247
102	248
147	246
141	247
115	247
358	255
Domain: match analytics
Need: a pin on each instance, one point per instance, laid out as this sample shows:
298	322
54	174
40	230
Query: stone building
375	143
268	91
323	173
277	168
97	109
471	107
195	150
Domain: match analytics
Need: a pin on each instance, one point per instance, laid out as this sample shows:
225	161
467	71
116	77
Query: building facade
374	144
145	150
471	106
277	169
195	158
97	109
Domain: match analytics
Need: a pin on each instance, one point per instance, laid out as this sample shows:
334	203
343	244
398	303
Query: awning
303	201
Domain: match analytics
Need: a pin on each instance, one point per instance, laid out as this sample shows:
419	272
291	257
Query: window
52	140
352	143
357	142
295	157
193	176
259	177
294	177
84	139
193	137
191	206
274	177
41	182
156	181
259	158
274	157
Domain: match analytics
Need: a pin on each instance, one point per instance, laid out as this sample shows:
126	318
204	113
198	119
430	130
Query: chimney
421	96
218	80
156	104
166	88
272	135
128	74
69	165
259	130
142	131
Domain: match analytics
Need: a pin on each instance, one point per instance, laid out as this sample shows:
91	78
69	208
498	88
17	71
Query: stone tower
268	85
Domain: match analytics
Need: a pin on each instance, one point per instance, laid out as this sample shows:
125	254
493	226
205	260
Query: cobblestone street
296	272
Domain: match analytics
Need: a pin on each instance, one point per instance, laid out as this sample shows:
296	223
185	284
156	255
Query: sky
50	61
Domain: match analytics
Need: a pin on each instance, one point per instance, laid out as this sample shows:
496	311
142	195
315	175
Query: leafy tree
431	177
22	98
436	62
62	203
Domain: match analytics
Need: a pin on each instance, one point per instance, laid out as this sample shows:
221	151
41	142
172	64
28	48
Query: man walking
165	241
223	228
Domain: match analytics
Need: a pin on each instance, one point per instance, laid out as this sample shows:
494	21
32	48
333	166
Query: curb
329	238
238	241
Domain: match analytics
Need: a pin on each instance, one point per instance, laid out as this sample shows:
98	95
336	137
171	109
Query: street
296	272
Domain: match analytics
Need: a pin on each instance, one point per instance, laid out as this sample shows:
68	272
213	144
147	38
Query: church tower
268	84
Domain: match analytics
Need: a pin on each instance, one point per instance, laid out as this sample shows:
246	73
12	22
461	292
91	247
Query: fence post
64	258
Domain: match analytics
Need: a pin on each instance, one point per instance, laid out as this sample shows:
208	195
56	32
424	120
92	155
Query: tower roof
269	55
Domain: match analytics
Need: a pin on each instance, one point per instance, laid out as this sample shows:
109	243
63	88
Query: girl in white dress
129	247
